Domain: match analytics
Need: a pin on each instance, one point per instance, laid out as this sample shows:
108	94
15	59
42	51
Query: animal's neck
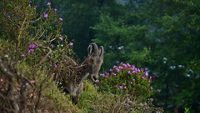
85	65
82	72
84	68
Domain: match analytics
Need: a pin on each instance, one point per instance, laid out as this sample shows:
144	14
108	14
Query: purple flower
133	66
105	74
146	73
129	72
128	65
138	70
31	51
117	69
45	15
158	112
55	65
135	72
120	67
125	65
133	69
120	87
32	47
102	74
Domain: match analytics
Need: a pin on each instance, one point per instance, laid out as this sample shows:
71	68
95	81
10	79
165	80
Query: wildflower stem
20	33
44	58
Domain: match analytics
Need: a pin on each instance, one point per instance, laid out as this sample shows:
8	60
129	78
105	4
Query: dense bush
126	78
31	43
104	102
131	84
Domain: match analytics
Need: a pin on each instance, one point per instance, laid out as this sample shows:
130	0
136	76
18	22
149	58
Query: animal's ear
101	51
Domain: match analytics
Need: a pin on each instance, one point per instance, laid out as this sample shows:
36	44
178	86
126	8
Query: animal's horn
95	48
89	49
101	51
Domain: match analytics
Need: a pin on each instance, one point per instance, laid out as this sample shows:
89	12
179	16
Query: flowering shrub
126	78
30	43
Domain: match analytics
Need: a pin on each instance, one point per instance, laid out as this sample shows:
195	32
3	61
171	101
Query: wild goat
71	76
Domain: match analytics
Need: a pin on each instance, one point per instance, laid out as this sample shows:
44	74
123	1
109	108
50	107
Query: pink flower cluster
45	14
32	47
126	67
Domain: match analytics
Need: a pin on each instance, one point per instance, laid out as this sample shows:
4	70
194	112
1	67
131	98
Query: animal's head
95	60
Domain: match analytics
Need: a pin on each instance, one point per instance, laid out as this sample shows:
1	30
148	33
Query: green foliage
175	51
52	96
123	42
79	16
187	110
92	101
